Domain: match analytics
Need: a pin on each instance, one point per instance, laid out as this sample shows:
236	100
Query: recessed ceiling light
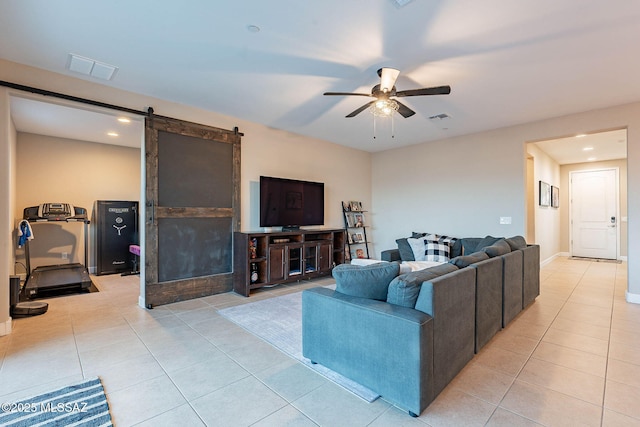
124	120
114	134
587	149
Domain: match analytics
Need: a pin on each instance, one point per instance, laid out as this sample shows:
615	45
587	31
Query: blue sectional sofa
406	336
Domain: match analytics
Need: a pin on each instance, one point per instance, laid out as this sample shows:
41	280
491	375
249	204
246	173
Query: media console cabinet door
192	210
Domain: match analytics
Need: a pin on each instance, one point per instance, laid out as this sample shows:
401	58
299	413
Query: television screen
290	203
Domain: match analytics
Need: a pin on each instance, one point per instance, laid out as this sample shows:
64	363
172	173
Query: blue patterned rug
278	321
82	404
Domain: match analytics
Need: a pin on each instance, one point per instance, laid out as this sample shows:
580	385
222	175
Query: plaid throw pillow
448	240
436	251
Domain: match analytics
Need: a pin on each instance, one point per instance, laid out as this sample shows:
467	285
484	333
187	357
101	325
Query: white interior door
594	213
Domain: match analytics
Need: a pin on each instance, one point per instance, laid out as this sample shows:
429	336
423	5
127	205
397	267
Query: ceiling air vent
91	67
400	3
440	116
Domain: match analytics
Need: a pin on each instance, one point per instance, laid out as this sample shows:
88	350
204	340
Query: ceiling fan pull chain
393	128
374	127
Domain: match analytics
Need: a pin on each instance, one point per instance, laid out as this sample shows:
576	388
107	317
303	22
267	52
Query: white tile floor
572	358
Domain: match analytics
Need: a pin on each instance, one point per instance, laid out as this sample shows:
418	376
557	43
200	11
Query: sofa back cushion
516	242
501	247
370	281
406	253
404	289
463	261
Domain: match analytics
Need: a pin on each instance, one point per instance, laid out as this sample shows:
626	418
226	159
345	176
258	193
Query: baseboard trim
632	298
5	327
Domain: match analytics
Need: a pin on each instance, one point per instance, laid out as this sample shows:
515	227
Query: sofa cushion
500	247
419	246
406	253
370	281
486	241
404	289
436	251
466	260
516	242
469	245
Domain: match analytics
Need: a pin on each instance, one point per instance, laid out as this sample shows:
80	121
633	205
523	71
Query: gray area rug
81	404
278	321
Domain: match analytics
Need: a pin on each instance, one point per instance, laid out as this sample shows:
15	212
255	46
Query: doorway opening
553	162
72	153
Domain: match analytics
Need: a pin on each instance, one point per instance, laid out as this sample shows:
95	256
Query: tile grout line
515	378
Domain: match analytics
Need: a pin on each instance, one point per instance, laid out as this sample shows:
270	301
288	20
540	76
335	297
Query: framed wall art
555	196
545	194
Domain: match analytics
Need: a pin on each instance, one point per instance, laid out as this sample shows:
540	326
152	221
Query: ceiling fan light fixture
384	107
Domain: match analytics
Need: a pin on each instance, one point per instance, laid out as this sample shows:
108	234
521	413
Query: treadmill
61	277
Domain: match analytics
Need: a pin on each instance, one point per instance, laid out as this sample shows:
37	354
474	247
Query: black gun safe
116	229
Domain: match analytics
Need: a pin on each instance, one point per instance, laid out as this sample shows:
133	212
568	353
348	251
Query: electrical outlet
65	255
505	220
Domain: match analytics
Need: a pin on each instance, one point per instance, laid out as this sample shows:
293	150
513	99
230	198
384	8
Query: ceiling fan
384	105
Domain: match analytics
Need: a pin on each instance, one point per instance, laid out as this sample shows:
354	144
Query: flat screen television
290	203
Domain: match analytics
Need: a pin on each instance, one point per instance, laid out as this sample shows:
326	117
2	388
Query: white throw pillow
418	246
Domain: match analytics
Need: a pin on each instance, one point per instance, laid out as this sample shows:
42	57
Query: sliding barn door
192	209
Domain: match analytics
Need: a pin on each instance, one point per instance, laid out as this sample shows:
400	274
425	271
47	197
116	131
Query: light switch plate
505	220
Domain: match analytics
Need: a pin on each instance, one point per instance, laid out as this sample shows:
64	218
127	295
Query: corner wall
7	194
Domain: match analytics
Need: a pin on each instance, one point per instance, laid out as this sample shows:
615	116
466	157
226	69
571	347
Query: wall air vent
91	67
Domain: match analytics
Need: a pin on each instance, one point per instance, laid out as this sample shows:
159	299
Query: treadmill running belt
57	277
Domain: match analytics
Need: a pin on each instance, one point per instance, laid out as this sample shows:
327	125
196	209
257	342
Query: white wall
463	185
547	218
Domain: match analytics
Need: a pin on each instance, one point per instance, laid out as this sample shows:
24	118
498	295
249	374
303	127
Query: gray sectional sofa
406	336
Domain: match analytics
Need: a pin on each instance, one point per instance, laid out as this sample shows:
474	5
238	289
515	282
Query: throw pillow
516	242
418	246
486	241
466	260
500	247
406	253
404	289
370	281
436	251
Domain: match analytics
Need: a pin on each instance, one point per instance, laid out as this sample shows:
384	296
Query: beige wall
265	151
7	198
463	185
546	218
53	169
565	170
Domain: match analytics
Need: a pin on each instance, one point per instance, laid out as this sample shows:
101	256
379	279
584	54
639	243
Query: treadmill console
55	212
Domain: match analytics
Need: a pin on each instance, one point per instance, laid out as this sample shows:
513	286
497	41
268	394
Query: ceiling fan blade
438	90
360	110
404	111
345	94
388	77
